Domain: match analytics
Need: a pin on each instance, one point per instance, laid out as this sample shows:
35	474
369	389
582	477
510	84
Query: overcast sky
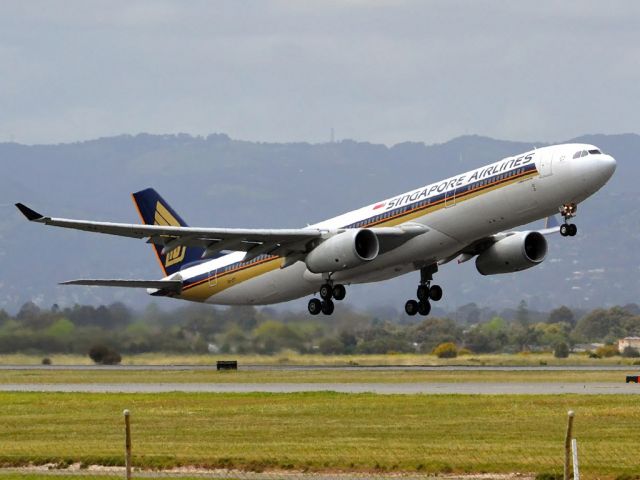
379	71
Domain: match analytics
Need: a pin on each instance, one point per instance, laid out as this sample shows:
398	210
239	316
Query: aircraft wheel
339	292
435	293
327	307
411	307
424	308
573	229
423	292
314	306
564	229
326	291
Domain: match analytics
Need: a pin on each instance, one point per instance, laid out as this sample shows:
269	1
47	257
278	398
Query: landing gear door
545	164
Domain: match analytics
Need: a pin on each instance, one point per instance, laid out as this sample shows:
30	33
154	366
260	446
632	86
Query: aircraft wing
551	226
281	242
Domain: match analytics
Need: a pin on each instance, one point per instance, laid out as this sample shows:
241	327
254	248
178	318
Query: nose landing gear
425	292
328	292
568	211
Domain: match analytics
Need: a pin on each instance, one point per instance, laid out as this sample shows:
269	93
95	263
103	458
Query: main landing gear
568	211
328	291
425	292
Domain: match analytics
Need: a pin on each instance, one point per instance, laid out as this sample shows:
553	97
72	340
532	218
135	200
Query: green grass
76	476
292	358
40	476
322	431
45	375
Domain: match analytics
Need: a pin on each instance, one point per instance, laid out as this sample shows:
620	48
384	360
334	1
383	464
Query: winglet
31	215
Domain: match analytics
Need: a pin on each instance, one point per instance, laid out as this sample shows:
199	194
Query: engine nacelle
343	251
513	253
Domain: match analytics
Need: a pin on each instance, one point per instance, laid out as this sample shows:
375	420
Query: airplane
470	215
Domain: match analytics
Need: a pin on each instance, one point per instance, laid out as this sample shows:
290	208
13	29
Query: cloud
288	70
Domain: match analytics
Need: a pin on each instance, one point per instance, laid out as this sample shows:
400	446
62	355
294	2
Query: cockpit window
584	153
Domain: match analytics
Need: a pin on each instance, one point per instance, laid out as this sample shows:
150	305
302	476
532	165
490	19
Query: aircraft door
213	278
546	163
450	198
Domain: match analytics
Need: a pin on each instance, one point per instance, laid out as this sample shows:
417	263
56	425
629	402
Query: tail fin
154	210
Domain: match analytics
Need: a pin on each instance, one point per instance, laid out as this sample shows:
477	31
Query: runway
364	368
444	388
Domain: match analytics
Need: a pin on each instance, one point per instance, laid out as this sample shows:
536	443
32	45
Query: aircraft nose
607	165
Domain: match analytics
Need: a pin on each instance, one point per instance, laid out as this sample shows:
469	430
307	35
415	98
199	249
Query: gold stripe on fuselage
212	285
215	283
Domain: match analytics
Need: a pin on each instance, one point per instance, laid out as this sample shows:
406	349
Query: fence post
127	444
574	450
567	447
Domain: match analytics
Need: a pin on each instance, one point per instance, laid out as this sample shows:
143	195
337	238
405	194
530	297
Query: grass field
49	376
323	431
292	358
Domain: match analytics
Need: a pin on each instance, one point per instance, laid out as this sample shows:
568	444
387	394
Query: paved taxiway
363	368
466	388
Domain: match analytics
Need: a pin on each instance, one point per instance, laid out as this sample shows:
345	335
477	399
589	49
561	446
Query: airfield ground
292	358
80	376
320	431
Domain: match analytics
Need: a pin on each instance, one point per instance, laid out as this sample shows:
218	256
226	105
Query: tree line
201	329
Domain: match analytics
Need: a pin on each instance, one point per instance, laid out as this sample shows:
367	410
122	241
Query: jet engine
343	251
514	253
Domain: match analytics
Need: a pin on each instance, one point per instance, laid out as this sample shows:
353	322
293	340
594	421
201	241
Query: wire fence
183	440
448	460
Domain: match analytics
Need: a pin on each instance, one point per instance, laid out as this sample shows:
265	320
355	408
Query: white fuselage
456	212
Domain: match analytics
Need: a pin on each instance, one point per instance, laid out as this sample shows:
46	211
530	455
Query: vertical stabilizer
154	210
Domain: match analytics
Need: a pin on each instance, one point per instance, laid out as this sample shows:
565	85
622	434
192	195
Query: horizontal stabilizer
170	285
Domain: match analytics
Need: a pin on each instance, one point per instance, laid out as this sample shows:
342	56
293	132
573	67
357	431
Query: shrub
464	351
104	355
630	352
549	476
46	361
98	352
593	354
112	358
607	351
561	350
446	350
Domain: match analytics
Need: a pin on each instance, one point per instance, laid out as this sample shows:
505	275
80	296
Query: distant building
633	342
586	347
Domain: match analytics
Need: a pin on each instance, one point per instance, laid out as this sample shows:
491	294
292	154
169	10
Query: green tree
562	315
62	328
433	331
272	336
522	314
602	325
